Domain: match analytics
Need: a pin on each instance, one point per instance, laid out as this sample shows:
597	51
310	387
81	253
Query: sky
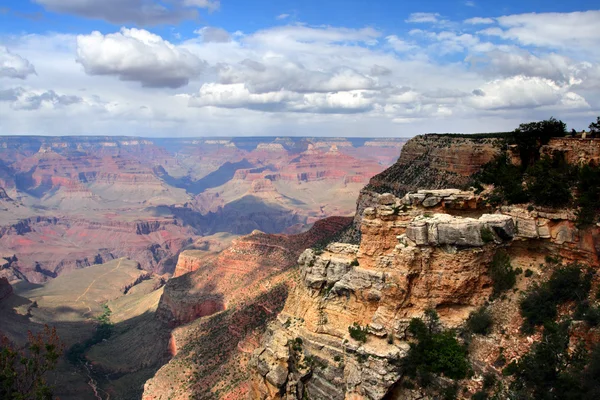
367	68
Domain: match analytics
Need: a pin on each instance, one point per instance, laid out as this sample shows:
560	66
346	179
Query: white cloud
398	44
21	99
137	55
238	96
213	35
479	21
422	17
282	16
142	12
13	65
577	31
520	92
470	3
210	5
299	80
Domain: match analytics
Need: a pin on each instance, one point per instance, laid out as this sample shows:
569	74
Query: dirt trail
95	279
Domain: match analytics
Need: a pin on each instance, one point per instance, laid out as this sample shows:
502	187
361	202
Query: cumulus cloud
558	68
13	65
423	17
138	55
479	21
378	70
524	92
141	12
22	99
214	35
304	80
275	74
238	96
570	31
399	45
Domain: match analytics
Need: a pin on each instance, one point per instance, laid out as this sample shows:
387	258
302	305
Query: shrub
354	263
528	273
489	380
531	136
502	273
565	284
588	190
549	182
480	322
550	371
23	371
486	235
358	333
435	352
481	395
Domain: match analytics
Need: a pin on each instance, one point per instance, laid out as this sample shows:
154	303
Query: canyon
269	308
71	202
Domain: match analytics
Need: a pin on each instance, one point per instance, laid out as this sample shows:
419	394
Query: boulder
387	199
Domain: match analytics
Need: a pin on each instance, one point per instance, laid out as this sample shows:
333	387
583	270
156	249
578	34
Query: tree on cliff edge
22	371
595	127
533	135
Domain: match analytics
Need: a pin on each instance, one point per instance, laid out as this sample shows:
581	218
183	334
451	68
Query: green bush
486	235
528	273
550	371
435	352
588	190
481	395
480	322
502	273
568	283
358	333
549	182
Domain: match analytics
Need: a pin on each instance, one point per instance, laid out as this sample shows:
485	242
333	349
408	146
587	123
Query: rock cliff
415	254
430	162
220	308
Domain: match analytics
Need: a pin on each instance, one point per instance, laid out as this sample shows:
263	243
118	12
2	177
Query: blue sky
356	68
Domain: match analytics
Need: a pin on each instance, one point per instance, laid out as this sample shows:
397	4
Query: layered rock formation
430	162
407	262
95	189
413	256
225	303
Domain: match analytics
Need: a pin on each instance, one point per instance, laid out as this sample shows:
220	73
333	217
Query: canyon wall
430	162
414	255
421	246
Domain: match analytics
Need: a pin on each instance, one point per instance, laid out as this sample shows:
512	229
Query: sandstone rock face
215	281
406	263
430	162
444	229
576	151
408	260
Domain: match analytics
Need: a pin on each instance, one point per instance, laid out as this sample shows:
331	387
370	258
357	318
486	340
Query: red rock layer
231	276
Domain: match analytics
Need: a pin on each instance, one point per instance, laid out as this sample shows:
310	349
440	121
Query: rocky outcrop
407	262
435	162
5	289
576	151
416	253
237	293
430	162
